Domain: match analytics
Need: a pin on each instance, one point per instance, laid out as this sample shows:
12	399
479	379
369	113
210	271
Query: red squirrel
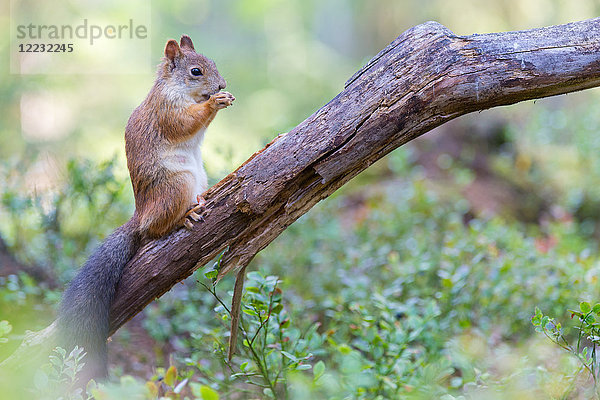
162	144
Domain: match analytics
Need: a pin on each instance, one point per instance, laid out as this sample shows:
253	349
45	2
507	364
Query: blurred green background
282	60
416	280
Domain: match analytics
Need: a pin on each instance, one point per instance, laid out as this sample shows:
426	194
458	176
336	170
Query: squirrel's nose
222	84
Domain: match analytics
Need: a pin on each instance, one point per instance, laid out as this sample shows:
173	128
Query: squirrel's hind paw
192	214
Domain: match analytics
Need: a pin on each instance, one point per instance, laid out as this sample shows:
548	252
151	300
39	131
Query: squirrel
162	145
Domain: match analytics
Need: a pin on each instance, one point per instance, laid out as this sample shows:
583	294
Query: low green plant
272	348
57	228
391	292
583	345
59	379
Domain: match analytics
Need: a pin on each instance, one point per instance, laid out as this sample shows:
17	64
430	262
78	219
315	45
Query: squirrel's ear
186	42
172	50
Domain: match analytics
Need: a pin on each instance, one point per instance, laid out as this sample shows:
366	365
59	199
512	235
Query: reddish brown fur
189	121
169	115
162	142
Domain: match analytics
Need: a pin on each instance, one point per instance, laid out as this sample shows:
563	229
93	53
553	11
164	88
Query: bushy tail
83	317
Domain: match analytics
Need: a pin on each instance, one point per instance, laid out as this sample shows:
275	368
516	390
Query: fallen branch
425	77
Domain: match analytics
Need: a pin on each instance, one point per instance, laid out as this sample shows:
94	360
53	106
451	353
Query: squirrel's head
190	71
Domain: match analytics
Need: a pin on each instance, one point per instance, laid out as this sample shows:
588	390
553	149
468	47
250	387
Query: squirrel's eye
196	71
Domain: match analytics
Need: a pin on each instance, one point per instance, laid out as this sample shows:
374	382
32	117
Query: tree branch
425	77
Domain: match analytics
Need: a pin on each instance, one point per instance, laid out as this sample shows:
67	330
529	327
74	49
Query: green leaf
344	349
277	309
208	393
318	370
249	311
290	356
171	375
55	360
217	263
211	274
585	307
62	352
574	313
596	308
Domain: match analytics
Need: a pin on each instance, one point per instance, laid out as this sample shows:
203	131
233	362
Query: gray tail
84	313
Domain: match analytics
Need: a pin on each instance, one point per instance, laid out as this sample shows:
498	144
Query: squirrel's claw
192	214
188	224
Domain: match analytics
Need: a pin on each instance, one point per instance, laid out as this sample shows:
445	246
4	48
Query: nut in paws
222	99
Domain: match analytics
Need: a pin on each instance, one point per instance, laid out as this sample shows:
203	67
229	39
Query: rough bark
425	77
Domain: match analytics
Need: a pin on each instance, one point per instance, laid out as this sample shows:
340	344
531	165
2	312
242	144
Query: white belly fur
186	157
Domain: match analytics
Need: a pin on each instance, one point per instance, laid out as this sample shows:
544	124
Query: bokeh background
419	277
282	59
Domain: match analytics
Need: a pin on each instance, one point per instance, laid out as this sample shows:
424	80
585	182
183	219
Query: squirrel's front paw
222	99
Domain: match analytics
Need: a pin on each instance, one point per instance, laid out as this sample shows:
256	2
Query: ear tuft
186	43
172	50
